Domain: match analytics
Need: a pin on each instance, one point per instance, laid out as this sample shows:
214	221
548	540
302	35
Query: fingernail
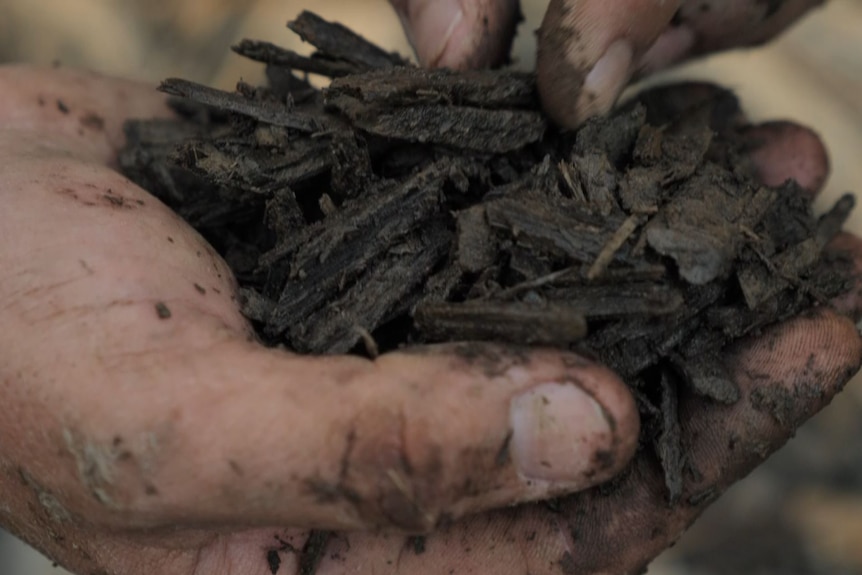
559	433
606	81
432	28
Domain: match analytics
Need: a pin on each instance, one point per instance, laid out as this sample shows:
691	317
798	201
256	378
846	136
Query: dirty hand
590	49
144	431
142	423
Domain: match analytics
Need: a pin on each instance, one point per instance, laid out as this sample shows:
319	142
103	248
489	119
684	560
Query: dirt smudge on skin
93	121
96	465
384	480
163	311
416	544
114	200
74	195
56	511
312	552
273	561
494	360
109	198
120	471
787	405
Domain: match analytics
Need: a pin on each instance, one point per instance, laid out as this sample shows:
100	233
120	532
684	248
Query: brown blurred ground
799	514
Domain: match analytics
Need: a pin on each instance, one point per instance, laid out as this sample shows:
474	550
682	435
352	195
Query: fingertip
589	50
457	34
514	425
848	247
605	82
784	151
786	375
794	369
618	405
576	432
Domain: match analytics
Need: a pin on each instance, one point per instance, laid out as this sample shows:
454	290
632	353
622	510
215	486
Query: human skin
135	395
589	50
139	444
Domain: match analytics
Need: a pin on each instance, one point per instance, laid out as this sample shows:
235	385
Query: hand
589	50
143	429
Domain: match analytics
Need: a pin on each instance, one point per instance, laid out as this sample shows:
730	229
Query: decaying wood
266	111
337	42
513	322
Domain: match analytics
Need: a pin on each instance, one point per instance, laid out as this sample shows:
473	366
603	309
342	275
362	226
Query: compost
399	206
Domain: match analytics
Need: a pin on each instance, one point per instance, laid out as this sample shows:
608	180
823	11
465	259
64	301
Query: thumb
459	34
589	50
406	442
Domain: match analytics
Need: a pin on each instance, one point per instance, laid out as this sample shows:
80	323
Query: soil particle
273	560
47	500
784	404
312	552
416	544
163	311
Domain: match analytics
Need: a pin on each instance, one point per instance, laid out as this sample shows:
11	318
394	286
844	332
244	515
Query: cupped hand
144	430
589	50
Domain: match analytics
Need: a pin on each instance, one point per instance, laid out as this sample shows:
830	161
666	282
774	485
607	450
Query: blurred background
799	514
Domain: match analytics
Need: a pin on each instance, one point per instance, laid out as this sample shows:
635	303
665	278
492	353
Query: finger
459	34
722	24
780	150
786	376
613	530
785	151
180	419
589	50
251	437
80	111
847	250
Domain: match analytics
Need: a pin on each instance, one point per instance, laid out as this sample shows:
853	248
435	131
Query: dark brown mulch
401	206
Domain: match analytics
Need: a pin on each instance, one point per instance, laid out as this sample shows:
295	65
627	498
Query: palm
109	273
114	257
